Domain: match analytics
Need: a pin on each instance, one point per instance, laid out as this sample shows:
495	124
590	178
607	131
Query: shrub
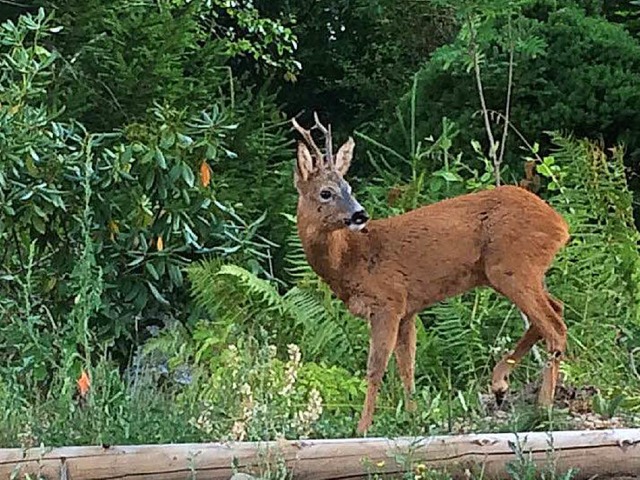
573	72
149	197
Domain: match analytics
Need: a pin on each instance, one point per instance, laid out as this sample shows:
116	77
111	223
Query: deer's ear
344	156
304	163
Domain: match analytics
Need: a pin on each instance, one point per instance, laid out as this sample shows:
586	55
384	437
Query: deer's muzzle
358	220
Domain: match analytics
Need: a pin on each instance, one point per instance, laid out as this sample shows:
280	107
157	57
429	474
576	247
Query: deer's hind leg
526	291
556	304
556	346
500	376
405	352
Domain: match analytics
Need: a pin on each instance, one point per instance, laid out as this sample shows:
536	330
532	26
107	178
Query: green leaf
174	173
544	170
156	294
126	155
136	261
167	139
175	274
160	160
449	176
210	152
39	225
152	270
187	175
132	292
149	178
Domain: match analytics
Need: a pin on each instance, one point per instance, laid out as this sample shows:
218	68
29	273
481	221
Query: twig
518	133
632	362
16	4
507	109
483	104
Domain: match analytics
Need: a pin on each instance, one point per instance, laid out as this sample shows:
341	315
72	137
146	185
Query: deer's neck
334	255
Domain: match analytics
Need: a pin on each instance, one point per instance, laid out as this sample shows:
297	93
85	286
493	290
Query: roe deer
388	270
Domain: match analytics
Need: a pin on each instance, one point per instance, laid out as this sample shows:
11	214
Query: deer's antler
326	131
306	135
308	138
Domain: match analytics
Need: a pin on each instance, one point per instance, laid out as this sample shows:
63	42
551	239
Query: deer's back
441	250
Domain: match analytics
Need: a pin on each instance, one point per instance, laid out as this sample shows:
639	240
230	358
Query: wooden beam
601	453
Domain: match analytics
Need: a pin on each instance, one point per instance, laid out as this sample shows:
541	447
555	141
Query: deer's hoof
410	406
499	387
500	395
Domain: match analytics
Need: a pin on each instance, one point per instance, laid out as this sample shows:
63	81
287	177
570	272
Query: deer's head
324	194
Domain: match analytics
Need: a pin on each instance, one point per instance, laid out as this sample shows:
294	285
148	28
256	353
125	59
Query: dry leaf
205	174
83	384
160	244
114	229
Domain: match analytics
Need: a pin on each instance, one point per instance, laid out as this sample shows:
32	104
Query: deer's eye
326	194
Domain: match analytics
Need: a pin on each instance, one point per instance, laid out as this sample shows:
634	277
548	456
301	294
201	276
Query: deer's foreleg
406	358
384	332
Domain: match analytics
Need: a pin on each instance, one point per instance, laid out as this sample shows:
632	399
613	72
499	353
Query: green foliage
626	12
523	468
358	56
169	51
306	314
244	391
601	303
150	192
572	72
435	171
246	32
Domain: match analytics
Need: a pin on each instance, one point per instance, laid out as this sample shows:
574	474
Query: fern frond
204	285
297	266
318	333
263	290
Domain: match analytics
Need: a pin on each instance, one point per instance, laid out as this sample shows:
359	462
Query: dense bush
626	12
358	56
572	72
151	192
175	52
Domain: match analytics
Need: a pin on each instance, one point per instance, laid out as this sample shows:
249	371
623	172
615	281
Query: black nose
359	217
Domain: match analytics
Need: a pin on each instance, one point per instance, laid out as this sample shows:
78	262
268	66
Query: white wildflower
294	353
311	414
239	431
291	373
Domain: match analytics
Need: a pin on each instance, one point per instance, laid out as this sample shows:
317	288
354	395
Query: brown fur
505	238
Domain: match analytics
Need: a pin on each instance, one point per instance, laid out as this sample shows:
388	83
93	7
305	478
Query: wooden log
601	454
